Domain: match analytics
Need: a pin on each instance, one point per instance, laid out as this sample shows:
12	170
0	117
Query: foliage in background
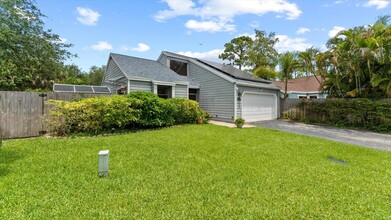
258	54
30	56
374	115
236	51
288	64
95	75
72	74
137	110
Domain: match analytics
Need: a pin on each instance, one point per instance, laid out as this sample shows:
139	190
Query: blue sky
197	28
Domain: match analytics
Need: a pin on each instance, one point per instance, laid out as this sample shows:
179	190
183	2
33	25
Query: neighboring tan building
299	88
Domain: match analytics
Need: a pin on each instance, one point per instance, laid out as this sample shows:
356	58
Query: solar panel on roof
80	88
101	89
84	89
63	88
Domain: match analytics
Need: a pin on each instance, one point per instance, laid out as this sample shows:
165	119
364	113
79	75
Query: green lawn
194	172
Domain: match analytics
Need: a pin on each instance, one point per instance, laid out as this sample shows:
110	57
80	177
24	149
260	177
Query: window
193	94
164	91
302	97
179	67
313	97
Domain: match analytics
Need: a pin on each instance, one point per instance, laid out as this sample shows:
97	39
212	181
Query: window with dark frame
302	97
313	97
179	67
193	94
164	91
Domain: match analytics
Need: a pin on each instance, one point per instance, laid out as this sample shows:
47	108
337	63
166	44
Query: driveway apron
360	138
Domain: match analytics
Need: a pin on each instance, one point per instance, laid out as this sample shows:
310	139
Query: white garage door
257	107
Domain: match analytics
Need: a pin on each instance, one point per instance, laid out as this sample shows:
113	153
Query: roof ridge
141	58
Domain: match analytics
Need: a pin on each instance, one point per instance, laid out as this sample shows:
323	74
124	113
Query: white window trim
182	61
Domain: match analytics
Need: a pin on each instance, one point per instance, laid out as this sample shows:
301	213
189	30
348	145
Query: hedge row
137	110
368	114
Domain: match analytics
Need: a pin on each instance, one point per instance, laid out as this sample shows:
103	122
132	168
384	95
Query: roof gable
140	68
230	72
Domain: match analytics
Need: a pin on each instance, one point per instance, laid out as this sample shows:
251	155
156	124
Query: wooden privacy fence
22	113
289	108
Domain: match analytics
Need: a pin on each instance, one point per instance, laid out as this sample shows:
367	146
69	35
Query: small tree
288	64
30	55
237	51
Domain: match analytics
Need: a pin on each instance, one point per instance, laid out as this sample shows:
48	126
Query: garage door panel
258	107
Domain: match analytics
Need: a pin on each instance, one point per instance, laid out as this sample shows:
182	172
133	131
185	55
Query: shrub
138	109
154	112
185	111
91	115
157	112
239	122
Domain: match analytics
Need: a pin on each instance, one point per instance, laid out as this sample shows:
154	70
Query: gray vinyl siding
257	90
140	86
238	109
181	91
114	72
163	60
216	95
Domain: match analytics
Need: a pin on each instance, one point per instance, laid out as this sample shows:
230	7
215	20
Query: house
225	92
304	87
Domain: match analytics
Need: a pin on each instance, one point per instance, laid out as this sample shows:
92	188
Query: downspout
235	101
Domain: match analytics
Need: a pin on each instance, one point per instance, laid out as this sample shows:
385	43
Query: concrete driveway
361	138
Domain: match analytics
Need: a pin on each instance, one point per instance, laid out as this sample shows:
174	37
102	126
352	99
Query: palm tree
288	63
308	62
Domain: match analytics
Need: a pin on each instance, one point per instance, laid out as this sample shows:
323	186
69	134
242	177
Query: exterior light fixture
239	95
103	163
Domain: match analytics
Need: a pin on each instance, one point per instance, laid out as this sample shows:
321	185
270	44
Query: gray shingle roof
233	72
150	69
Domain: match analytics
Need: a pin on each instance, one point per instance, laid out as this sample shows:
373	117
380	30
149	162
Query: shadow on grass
6	158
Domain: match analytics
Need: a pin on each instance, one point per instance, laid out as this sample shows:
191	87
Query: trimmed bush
239	122
92	115
138	109
154	111
373	115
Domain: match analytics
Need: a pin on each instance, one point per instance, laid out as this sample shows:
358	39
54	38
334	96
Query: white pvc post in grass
103	161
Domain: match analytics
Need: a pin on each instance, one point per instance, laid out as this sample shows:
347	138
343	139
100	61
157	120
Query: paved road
361	138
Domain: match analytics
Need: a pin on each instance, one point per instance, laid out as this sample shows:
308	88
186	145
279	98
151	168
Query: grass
194	172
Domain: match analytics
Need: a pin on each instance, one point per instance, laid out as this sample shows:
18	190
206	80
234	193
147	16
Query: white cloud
102	45
252	36
337	2
340	2
303	30
62	40
286	43
209	26
87	16
254	24
335	31
379	4
178	8
222	12
141	47
212	55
